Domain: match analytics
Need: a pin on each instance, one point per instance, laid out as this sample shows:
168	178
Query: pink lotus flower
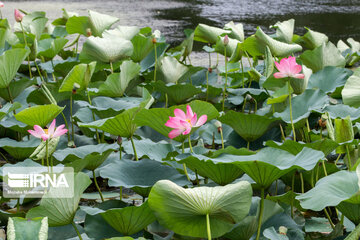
49	133
288	68
182	123
1	4
18	15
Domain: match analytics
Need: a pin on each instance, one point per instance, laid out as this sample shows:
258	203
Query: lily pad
184	210
19	150
39	115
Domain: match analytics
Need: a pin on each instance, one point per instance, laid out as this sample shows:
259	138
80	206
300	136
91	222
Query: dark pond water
339	19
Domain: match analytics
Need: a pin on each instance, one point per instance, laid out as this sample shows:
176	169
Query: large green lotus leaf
344	132
254	47
7	108
142	47
149	60
325	145
269	63
61	211
288	198
354	235
109	49
351	92
186	47
17	87
337	187
184	210
80	74
94	155
22	228
100	22
351	211
39	115
171	71
325	55
248	126
157	117
302	105
285	30
126	32
77	24
95	225
208	34
314	39
50	47
129	220
116	84
220	173
19	150
105	107
341	111
176	93
329	78
279	49
237	30
141	175
153	150
10	62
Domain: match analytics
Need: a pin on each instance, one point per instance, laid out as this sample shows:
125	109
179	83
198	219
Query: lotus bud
75	87
210	70
119	140
322	122
226	40
157	34
154	40
1	4
283	230
88	32
18	15
218	125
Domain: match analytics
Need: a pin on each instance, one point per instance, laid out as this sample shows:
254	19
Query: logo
38	182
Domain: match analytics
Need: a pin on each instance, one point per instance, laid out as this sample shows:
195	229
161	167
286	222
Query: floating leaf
184	210
19	150
129	220
248	126
21	228
39	115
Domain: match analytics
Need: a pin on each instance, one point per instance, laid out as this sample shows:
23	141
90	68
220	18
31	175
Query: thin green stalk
324	167
47	154
208	226
155	63
247	55
248	145
292	202
329	218
260	214
166	100
184	164
97	186
291	117
71	119
10	97
242	71
209	60
348	157
93	115
222	138
337	159
111	67
4	157
189	59
207	85
28	58
282	133
302	183
133	145
66	125
77	231
226	80
18	205
191	150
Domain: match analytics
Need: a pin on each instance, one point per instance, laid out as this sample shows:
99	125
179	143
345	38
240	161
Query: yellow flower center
46	131
189	121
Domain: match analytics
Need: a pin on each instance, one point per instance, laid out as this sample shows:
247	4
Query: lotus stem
133	145
292	201
242	71
76	230
302	183
93	115
67	126
47	154
189	59
348	157
28	58
6	160
18	205
97	186
324	167
209	60
337	159
71	118
282	132
222	138
155	62
248	145
111	67
260	214
226	80
207	85
166	100
191	150
208	226
329	218
184	164
291	117
10	95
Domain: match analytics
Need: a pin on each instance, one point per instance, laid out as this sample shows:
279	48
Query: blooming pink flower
49	133
288	68
1	4
18	15
182	123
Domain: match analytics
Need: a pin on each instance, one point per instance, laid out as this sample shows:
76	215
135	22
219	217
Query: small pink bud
226	40
1	4
18	15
